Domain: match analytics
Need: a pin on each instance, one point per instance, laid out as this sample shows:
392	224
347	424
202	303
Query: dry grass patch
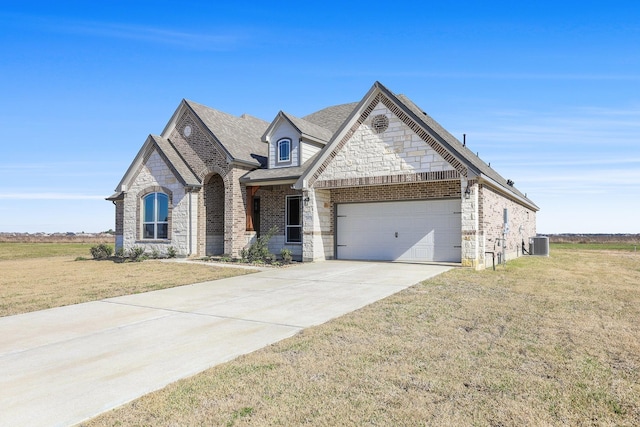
38	283
548	341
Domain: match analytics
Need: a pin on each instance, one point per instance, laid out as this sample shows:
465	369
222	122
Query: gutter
483	179
268	181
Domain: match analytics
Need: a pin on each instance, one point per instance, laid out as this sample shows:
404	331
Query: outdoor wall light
467	192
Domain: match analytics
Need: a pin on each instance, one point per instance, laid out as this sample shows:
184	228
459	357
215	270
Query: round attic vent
187	131
379	123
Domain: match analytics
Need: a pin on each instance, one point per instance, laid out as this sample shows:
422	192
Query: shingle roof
276	174
240	136
309	129
331	118
184	173
320	125
170	155
466	154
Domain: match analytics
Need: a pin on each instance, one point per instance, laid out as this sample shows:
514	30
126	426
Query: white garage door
399	231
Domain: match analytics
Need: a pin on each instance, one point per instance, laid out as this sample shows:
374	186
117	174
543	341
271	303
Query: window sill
153	241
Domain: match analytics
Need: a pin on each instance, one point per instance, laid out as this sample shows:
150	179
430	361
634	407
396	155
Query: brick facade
211	215
272	214
522	223
387	152
222	201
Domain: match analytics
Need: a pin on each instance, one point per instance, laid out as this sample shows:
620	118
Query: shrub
286	255
136	254
101	251
171	252
155	254
259	250
119	252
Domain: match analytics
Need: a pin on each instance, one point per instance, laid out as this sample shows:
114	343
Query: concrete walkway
61	366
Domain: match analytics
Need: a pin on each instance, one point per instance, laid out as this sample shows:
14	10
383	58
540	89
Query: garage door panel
426	231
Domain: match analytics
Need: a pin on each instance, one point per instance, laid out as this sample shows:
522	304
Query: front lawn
544	341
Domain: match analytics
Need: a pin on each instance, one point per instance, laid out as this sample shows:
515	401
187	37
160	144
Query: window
284	150
294	219
155	216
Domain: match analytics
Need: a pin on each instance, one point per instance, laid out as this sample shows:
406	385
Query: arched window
284	150
155	214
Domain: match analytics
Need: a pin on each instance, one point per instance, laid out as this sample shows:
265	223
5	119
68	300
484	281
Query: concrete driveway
65	365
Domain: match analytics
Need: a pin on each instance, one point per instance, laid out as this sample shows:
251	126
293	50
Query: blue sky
547	92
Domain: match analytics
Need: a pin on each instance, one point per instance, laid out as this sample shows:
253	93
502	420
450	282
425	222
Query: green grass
628	247
11	250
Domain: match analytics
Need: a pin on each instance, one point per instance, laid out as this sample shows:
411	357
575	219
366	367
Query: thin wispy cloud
219	41
156	35
49	196
598	128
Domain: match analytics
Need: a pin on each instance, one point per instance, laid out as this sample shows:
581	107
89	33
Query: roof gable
170	156
238	137
448	147
307	130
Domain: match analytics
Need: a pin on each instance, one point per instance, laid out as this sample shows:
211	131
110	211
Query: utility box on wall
539	245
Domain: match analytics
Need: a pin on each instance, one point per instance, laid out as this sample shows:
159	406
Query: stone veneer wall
318	241
472	237
119	241
155	175
522	222
396	151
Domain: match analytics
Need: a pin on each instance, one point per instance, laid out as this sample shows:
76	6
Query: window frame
288	226
281	142
155	222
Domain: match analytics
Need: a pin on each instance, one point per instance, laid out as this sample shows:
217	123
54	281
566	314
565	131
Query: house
377	179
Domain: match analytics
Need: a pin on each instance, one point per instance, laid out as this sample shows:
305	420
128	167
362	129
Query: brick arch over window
139	219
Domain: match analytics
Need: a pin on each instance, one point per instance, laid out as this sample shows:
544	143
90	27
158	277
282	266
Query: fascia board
174	118
324	153
137	162
483	179
459	156
266	136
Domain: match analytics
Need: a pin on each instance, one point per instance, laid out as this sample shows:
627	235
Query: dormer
292	141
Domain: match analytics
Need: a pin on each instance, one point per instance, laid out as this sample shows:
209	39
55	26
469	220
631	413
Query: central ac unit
539	245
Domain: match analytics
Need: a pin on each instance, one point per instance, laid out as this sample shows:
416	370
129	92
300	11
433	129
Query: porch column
317	240
251	193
